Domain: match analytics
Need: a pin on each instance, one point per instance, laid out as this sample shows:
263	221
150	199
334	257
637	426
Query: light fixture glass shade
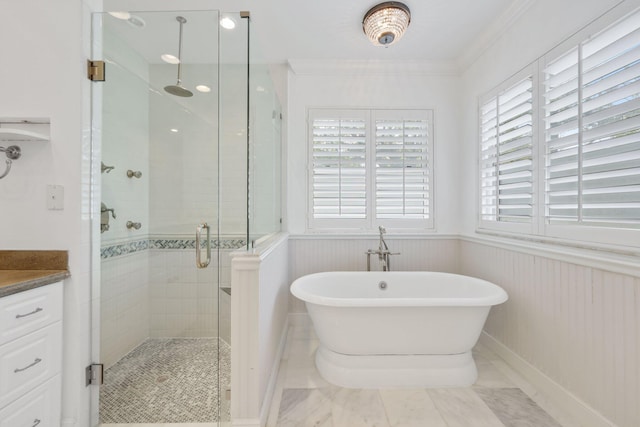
385	23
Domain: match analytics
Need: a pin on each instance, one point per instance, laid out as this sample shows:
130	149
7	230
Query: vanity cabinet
31	357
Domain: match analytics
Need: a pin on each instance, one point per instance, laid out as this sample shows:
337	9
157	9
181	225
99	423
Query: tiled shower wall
154	292
577	324
184	299
124	317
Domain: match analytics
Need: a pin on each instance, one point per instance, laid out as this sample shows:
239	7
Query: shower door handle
199	262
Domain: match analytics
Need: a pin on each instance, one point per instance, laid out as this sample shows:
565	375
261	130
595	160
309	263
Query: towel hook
13	153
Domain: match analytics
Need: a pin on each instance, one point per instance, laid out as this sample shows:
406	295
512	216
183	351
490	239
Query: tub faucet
382	246
383	252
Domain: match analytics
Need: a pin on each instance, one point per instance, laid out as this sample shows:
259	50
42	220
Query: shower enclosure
177	124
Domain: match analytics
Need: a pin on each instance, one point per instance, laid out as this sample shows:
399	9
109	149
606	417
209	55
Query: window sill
625	260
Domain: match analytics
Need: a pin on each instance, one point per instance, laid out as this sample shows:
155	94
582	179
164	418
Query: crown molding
493	32
312	67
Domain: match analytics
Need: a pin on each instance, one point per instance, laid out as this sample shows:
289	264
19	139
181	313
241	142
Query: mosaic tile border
124	248
146	244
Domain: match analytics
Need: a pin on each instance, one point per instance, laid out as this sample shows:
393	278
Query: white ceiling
290	30
332	29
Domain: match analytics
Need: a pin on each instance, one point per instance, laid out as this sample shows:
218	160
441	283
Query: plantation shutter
561	134
593	129
339	181
402	164
506	155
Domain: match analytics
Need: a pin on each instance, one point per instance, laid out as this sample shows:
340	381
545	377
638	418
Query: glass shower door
163	322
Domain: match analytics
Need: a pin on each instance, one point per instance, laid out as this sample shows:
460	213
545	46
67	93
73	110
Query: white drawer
29	361
27	311
38	408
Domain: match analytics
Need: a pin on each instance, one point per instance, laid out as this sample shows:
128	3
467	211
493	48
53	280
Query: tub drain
382	285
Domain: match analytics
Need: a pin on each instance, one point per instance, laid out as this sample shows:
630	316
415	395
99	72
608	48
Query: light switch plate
55	197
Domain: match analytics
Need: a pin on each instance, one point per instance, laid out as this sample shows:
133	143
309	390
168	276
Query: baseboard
271	385
574	408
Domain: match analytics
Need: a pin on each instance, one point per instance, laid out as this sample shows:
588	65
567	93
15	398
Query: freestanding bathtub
397	329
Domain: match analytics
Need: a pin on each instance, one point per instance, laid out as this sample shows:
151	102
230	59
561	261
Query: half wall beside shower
177	124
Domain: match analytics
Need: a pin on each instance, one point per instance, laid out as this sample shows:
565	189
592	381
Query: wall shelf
22	130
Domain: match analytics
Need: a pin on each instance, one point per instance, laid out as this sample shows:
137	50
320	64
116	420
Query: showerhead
178	89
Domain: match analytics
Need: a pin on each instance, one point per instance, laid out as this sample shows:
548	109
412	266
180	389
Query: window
577	174
370	168
506	154
592	123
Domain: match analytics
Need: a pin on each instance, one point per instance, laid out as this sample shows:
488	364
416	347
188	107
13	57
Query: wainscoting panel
577	324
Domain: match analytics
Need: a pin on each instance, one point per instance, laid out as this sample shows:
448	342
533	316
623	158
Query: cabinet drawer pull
37	310
36	422
35	362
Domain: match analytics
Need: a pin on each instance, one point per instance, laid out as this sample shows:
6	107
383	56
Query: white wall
346	85
37	32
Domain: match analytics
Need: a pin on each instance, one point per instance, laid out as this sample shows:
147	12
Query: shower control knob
131	174
134	225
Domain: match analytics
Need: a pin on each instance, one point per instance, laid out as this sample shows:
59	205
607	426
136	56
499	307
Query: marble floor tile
411	408
276	400
489	376
547	405
462	407
303	376
303	332
358	408
305	407
515	409
304	398
481	350
301	352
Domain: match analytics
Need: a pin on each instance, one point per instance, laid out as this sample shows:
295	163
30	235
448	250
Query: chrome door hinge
94	374
95	70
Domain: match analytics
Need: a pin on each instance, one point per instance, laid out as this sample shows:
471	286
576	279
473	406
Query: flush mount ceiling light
121	15
385	23
227	23
170	59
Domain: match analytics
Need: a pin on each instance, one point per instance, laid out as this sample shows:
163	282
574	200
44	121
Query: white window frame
511	227
371	222
606	237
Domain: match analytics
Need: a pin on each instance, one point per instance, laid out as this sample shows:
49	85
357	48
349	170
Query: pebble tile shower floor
171	380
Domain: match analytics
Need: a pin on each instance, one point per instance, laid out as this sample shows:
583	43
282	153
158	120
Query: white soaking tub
397	329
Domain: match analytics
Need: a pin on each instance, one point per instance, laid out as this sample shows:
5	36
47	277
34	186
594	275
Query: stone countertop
24	270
